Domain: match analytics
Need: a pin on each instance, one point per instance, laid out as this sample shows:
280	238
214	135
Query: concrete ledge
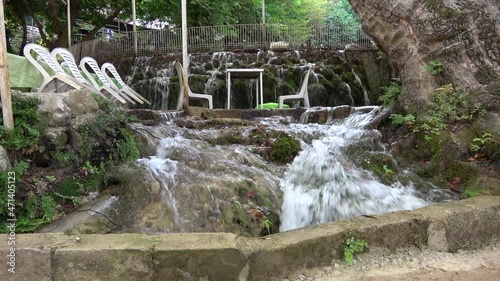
221	256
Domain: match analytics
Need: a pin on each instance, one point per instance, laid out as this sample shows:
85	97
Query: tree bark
463	35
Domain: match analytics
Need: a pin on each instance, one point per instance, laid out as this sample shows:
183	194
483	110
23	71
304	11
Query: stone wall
466	224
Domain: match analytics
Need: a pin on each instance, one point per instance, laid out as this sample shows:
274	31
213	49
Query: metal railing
243	37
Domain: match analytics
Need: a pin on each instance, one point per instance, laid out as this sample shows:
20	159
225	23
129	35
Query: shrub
391	94
27	125
284	149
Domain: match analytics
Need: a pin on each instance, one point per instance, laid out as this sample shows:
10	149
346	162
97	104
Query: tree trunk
463	35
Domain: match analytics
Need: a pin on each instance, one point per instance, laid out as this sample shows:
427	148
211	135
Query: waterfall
164	170
350	93
323	184
366	100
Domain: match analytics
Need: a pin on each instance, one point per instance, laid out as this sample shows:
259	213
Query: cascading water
209	184
323	184
164	170
366	100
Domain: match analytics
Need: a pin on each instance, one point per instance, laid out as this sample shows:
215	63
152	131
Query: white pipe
263	11
134	27
69	22
185	62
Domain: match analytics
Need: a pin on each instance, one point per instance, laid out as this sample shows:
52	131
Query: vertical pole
263	12
8	119
134	27
68	11
185	61
264	24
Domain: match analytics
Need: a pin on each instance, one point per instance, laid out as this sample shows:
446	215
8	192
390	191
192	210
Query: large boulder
60	109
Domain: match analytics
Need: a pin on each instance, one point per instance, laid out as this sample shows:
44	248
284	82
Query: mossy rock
284	149
318	95
241	94
218	90
474	191
197	82
285	89
269	84
327	72
208	66
465	171
381	165
239	216
339	69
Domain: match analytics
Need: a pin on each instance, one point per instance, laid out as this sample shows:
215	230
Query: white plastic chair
69	62
192	95
106	86
49	83
302	94
105	67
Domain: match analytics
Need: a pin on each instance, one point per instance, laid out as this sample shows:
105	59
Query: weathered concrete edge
222	256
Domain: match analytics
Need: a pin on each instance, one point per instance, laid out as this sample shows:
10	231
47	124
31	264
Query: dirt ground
410	264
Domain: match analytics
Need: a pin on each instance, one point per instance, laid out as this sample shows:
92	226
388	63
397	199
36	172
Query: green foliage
104	104
65	158
448	106
267	225
284	149
479	143
387	170
27	125
399	119
42	198
391	94
341	12
435	67
474	191
352	247
107	140
127	147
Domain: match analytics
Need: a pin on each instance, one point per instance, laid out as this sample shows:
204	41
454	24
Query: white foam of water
323	185
164	171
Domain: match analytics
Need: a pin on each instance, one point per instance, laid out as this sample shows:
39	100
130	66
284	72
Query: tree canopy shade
200	12
341	12
50	16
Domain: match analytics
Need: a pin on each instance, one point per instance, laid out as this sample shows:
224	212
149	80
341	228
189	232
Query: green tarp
272	105
22	73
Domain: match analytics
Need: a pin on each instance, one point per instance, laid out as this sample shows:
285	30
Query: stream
325	182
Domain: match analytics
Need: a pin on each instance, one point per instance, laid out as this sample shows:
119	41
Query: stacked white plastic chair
192	95
37	55
68	61
105	67
106	85
301	95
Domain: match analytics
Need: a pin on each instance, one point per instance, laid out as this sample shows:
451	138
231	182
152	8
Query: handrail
242	37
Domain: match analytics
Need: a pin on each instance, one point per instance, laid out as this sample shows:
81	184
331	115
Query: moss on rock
284	149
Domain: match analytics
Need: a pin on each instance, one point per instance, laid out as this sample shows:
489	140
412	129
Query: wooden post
8	119
185	62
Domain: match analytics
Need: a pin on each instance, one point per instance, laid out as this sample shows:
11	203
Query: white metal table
249	73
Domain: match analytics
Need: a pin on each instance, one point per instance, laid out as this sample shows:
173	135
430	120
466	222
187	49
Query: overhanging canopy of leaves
341	12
